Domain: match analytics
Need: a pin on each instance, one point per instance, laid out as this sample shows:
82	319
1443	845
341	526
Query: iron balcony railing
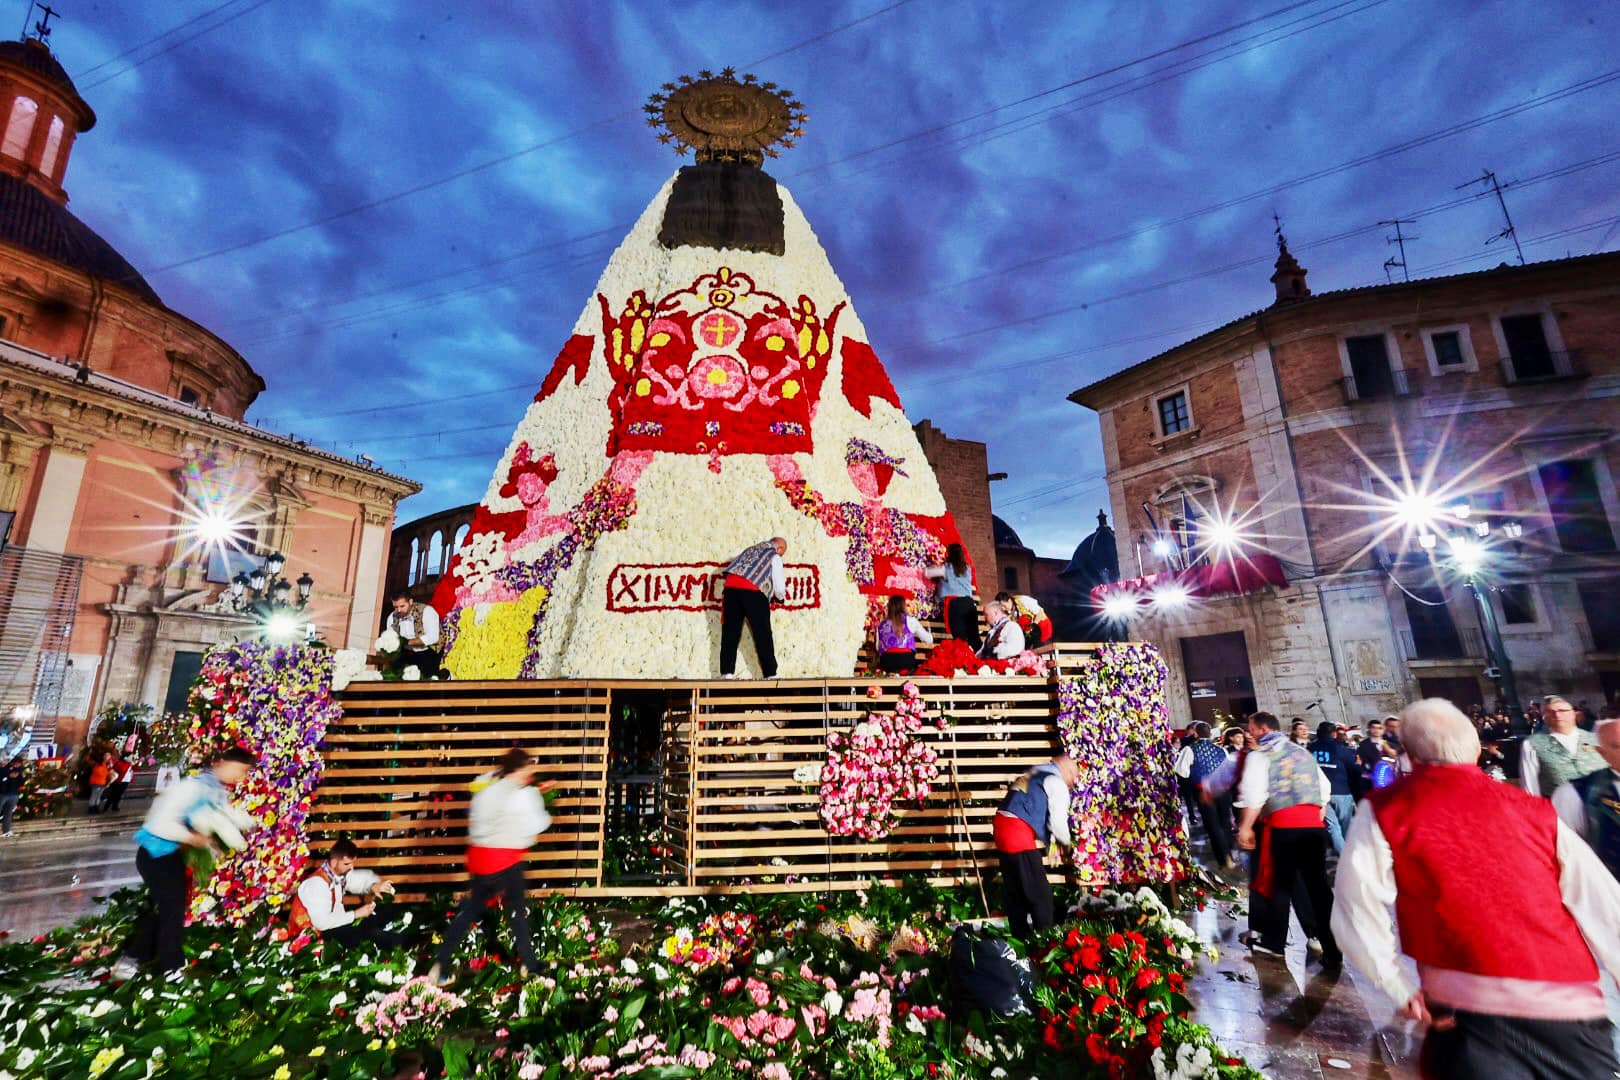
1464	644
1397	386
1536	367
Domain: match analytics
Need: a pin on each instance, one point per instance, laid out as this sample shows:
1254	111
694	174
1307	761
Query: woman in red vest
1507	913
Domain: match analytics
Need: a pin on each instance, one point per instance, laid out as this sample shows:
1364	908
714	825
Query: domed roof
32	55
1096	558
35	222
1004	534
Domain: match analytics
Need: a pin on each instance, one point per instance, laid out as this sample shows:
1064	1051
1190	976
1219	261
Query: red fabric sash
737	581
492	860
1013	834
1302	816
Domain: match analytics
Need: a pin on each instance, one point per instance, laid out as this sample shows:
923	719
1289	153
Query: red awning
1241	575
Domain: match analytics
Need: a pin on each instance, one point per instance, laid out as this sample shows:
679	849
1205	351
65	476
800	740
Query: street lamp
274	602
1469	555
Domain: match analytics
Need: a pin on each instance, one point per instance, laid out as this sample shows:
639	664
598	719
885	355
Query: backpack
986	974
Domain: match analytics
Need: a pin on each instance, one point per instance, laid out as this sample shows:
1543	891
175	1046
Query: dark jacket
1338	763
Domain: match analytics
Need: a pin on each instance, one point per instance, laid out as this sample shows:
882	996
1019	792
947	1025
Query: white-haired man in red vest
1507	913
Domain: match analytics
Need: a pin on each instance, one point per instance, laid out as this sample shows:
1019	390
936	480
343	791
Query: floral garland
953	655
277	702
718	940
46	790
1126	814
878	764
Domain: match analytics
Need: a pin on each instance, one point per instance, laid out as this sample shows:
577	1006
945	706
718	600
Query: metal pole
1495	651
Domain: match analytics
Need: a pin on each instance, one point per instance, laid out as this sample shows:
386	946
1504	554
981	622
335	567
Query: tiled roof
34	221
1502	270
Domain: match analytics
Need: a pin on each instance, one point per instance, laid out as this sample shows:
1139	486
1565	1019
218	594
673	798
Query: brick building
1063	586
1343	435
121	428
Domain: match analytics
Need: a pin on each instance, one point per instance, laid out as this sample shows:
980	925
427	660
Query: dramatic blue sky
395	210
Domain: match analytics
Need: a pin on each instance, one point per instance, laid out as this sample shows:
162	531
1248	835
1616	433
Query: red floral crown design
720	367
524	463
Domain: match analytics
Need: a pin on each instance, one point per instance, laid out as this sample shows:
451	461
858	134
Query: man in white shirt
1558	755
1508	915
319	903
1033	813
1590	805
755	579
418	628
1005	638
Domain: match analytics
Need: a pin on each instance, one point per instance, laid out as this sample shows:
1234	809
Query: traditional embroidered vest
1294	777
395	619
1476	876
892	640
1602	805
1026	800
1559	766
298	914
754	564
1207	757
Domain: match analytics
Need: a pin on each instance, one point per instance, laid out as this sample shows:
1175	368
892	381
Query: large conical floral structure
718	390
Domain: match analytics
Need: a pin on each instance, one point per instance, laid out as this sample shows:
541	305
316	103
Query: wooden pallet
399	761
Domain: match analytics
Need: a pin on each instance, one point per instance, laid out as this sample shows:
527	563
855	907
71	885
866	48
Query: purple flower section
1126	812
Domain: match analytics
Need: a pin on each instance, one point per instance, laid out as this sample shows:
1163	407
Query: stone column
17	451
365	608
59	490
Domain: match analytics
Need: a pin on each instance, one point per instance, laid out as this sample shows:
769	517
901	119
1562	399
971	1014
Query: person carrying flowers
171	826
1033	813
506	816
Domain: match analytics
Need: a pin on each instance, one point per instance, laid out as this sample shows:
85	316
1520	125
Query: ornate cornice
78	415
377	515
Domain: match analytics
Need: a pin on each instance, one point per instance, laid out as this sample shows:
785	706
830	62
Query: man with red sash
753	579
1506	911
1033	813
1284	796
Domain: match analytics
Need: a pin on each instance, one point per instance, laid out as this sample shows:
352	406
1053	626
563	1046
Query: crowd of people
1422	820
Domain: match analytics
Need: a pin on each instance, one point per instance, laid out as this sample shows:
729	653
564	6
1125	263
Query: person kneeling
897	638
319	903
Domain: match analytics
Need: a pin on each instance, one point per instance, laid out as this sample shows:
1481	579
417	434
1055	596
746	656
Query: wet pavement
51	876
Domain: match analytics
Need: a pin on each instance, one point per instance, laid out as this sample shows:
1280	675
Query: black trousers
1298	860
157	933
962	620
898	663
1510	1048
375	928
114	795
509	886
426	661
1028	896
738	606
1217	819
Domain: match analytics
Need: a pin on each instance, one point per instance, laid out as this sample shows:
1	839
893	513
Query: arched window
461	538
416	548
19	127
435	559
53	146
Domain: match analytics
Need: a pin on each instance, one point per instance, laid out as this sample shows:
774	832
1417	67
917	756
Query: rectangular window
1009	578
1369	367
1600	600
1518	604
1434	634
1448	350
1576	503
1528	350
1173	413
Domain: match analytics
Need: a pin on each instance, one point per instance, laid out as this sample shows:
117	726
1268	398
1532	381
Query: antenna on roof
42	28
1282	241
1399	241
1508	233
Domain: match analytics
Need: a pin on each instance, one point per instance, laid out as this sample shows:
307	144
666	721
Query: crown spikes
653	121
651	108
687	80
705	73
769	152
728	72
767	86
666	137
668	86
750	77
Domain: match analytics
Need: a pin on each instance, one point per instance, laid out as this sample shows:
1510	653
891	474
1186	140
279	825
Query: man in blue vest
1034	812
1590	804
1197	761
753	580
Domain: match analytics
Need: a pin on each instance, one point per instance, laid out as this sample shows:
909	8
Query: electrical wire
173	45
155	38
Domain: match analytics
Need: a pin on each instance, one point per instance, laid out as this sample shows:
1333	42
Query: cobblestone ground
1288	1018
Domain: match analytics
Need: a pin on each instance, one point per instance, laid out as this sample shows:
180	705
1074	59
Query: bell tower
41	112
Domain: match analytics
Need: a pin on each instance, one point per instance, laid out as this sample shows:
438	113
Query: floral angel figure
889	550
